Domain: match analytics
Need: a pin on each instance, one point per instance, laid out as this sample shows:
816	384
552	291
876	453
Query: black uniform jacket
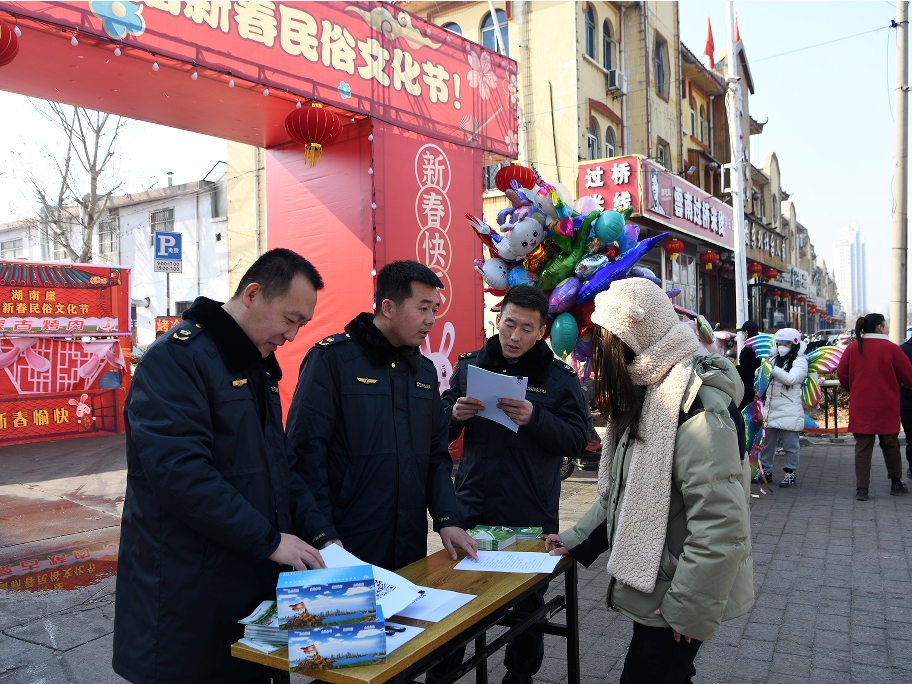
905	394
748	363
210	484
508	478
370	432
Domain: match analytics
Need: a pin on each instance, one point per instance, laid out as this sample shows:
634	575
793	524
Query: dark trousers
905	416
864	450
654	657
524	654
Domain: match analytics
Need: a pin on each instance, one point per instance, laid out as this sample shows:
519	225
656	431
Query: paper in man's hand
489	388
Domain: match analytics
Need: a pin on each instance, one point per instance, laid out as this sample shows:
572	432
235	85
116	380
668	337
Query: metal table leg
481	670
573	663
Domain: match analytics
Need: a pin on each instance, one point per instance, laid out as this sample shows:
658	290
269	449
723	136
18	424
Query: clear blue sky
829	112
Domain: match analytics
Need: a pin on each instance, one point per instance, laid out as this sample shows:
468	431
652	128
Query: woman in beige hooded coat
674	489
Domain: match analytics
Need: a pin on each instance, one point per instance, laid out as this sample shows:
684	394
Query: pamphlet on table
506	561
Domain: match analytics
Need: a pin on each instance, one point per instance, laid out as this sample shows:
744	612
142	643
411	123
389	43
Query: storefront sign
367	57
54	299
793	278
766	246
659	195
51	416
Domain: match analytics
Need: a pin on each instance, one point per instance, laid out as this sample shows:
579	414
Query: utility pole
900	177
733	104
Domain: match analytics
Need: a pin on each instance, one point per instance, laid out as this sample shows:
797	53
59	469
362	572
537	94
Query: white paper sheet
435	604
394	592
263	647
401	634
489	387
510	561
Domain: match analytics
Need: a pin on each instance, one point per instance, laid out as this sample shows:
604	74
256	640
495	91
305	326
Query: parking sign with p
167	254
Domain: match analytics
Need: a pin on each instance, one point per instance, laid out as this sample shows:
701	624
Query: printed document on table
397	635
435	604
489	387
510	561
393	591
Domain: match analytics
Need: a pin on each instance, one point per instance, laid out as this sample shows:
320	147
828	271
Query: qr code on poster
382	588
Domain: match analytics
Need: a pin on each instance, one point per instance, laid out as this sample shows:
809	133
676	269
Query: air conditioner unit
615	81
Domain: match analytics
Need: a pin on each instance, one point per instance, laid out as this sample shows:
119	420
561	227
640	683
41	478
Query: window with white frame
161	221
662	154
108	236
682	273
693	119
590	33
488	29
702	125
607	47
453	27
610	148
593	143
12	249
661	67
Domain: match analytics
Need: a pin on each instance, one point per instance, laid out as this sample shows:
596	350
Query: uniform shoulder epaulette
333	339
564	366
468	355
184	333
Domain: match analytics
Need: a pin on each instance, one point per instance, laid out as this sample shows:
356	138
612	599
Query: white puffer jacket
783	407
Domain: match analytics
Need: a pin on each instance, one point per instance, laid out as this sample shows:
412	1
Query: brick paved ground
834	596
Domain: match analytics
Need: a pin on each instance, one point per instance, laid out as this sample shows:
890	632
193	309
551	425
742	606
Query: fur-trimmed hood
230	339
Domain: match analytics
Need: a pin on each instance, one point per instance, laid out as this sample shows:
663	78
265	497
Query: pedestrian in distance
748	363
673	484
871	371
782	405
214	507
513	478
369	428
905	408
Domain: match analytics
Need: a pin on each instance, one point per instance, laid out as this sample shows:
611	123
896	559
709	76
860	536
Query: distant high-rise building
849	253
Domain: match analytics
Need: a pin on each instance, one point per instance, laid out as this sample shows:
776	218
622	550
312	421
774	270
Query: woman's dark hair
867	324
614	392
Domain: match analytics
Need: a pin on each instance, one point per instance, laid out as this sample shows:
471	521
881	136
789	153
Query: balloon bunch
570	250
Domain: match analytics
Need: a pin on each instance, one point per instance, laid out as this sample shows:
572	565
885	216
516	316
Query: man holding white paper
512	476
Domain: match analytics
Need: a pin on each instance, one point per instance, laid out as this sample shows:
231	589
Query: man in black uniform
748	363
214	505
508	478
905	407
369	428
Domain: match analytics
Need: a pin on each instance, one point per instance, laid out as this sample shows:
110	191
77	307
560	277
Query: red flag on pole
710	46
737	33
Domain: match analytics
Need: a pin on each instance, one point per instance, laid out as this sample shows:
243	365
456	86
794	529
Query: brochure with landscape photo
319	598
325	648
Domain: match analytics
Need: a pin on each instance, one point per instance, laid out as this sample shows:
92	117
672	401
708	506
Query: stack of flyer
261	629
528	532
331	617
493	537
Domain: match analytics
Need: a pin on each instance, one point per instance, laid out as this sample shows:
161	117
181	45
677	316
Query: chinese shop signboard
659	195
64	334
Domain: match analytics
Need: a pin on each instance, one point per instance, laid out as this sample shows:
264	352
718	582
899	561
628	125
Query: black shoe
861	494
898	487
788	480
511	678
766	475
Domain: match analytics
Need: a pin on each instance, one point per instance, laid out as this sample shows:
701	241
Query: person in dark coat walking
214	505
748	363
513	478
369	429
905	407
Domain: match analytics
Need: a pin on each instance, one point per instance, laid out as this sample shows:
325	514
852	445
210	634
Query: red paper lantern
776	294
9	44
771	274
709	258
802	300
524	177
755	268
674	247
794	299
313	127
